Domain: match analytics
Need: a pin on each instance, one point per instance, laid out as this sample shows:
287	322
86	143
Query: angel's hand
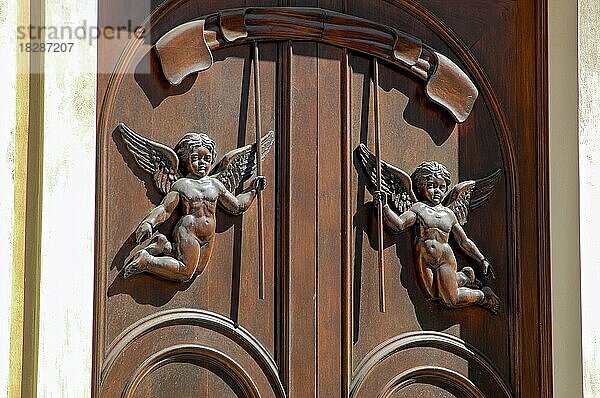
259	183
143	232
379	197
488	271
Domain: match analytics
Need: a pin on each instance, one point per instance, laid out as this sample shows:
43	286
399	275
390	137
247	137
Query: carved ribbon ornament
188	48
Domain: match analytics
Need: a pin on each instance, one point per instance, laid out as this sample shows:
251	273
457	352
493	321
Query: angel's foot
137	265
163	245
466	278
490	302
469	273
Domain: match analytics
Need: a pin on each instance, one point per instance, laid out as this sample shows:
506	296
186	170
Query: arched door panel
320	329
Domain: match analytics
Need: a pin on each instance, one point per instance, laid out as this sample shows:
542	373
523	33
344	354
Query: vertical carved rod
378	171
261	235
347	278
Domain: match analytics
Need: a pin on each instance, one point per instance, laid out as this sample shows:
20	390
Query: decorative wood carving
425	201
186	177
188	48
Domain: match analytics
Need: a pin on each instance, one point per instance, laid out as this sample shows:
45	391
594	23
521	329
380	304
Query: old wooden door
346	310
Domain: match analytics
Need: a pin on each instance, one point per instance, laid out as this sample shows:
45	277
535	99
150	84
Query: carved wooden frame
234	32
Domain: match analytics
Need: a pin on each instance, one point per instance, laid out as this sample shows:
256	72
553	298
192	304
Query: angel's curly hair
193	140
427	170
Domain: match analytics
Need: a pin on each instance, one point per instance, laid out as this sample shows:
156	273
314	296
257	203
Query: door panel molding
238	379
411	341
125	351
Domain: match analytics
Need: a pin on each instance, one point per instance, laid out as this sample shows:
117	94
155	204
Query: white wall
66	279
589	155
564	215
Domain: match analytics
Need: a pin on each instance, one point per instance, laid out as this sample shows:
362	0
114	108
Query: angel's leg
453	296
160	246
205	252
166	267
188	251
450	294
192	258
426	275
178	269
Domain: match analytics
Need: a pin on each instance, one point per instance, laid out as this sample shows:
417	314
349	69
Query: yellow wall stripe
20	196
28	210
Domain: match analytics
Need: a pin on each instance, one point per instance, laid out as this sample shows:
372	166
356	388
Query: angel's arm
239	204
398	223
469	247
466	244
160	213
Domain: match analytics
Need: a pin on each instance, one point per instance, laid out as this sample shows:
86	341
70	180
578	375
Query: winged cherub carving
424	201
184	175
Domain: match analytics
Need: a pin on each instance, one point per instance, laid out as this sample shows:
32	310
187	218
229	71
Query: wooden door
346	309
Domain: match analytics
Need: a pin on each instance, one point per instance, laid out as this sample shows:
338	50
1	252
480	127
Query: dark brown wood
284	94
543	195
319	331
329	223
303	230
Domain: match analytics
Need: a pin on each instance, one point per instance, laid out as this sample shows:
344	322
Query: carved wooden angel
186	177
425	201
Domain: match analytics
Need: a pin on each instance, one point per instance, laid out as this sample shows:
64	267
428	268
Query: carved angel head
197	153
431	181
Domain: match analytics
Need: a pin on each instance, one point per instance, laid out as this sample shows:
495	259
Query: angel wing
469	195
395	183
156	159
239	164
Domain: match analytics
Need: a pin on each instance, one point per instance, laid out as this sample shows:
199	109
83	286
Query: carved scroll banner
188	48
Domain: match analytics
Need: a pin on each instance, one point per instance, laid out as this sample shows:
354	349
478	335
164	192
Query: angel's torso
433	227
198	198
